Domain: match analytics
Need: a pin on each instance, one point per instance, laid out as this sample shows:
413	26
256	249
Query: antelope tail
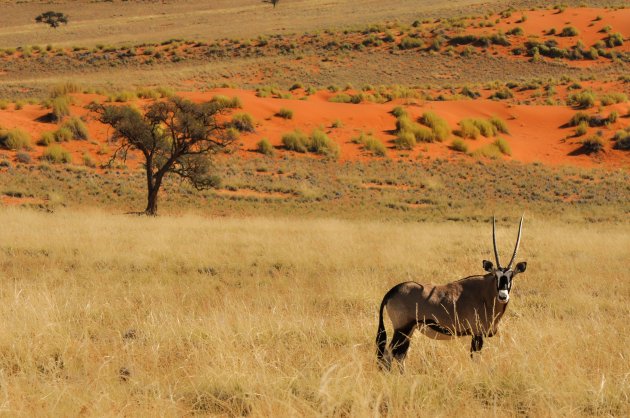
381	334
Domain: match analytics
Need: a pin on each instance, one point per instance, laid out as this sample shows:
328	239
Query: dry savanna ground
259	297
116	315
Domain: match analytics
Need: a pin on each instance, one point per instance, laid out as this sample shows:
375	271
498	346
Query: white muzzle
504	296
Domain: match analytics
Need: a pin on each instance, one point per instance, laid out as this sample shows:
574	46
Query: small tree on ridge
53	19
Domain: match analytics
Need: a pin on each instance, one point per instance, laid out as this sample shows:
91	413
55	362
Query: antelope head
504	275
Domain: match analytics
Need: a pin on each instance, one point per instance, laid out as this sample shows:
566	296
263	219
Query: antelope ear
487	266
520	267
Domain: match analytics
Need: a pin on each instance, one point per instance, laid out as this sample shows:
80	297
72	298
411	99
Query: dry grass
110	315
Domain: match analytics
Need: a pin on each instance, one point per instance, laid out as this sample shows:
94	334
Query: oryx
470	306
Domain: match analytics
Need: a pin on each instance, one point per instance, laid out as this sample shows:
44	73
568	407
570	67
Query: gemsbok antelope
470	306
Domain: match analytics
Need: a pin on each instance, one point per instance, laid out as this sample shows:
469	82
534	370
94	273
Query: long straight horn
518	241
494	243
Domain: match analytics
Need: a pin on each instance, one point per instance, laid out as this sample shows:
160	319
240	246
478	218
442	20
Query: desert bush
467	129
582	100
60	107
285	113
503	146
613	98
88	161
517	31
46	138
19	104
410	43
615	39
337	124
439	126
486	128
375	146
321	144
4	104
592	145
622	139
63	89
501	95
499	124
578	118
56	154
569	31
146	93
295	141
15	139
264	147
243	122
23	157
459	145
405	140
77	127
63	134
122	96
341	98
224	101
581	129
399	111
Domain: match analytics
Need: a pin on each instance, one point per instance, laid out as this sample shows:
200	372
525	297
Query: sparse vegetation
439	126
569	31
77	127
264	147
243	122
284	113
459	145
57	155
15	139
592	145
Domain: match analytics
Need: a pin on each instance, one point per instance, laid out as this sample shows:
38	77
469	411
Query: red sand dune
536	132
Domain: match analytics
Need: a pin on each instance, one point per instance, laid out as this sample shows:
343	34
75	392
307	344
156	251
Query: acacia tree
174	136
53	19
274	2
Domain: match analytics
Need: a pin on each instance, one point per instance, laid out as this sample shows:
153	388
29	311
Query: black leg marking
477	344
400	342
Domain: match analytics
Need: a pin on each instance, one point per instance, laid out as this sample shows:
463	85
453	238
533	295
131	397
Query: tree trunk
152	199
153	188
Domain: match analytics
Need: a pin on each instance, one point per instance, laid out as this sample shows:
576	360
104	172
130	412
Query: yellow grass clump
107	315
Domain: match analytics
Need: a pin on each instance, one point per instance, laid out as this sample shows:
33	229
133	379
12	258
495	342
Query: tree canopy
174	136
53	19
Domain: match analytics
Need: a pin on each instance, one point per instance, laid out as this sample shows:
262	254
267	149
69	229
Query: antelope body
472	306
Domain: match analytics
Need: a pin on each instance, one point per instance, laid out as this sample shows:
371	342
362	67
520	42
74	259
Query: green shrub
60	107
399	111
23	157
467	129
341	98
622	139
337	124
489	151
578	118
459	145
264	147
243	122
56	154
15	139
582	100
224	101
410	43
405	140
88	161
420	133
592	145
486	128
320	143
46	139
4	104
501	95
503	146
375	146
499	124
517	31
285	113
613	98
439	126
615	39
63	134
569	31
581	129
77	127
295	141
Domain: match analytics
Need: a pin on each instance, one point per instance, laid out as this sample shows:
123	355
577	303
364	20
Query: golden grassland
121	315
